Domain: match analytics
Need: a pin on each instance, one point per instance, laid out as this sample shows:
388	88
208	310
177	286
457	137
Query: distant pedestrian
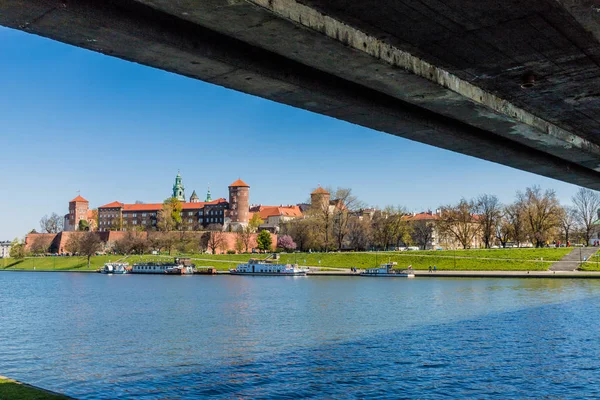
430	269
434	268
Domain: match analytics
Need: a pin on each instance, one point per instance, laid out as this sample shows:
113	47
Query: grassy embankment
12	390
592	264
68	263
459	260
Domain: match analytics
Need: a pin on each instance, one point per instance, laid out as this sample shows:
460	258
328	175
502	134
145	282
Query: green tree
83	225
85	244
264	241
17	249
255	222
169	217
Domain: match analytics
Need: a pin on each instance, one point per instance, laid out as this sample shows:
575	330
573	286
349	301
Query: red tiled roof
239	182
158	206
270	211
114	204
79	199
424	216
320	190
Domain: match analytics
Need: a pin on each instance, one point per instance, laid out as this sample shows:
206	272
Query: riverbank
14	390
519	259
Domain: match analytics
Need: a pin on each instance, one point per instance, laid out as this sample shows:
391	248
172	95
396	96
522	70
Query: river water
94	336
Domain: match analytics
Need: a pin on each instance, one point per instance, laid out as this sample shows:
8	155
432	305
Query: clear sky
73	120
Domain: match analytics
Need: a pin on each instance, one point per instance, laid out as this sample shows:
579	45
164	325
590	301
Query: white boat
152	268
267	267
115	268
389	270
180	266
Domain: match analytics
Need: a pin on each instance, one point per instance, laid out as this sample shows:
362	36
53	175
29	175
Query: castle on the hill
195	214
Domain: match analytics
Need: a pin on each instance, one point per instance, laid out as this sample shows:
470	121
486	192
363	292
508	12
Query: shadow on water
541	351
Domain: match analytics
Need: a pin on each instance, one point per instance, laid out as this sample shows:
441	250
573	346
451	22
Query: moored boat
115	268
389	270
180	266
180	270
267	267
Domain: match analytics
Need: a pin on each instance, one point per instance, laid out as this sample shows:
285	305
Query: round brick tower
319	199
239	202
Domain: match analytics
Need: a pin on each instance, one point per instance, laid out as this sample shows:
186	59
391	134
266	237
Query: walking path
571	261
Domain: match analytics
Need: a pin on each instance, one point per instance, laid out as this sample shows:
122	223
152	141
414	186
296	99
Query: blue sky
73	120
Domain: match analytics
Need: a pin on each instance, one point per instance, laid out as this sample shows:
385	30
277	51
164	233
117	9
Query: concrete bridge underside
449	73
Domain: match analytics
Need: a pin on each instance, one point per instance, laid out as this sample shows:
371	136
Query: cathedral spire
178	189
208	198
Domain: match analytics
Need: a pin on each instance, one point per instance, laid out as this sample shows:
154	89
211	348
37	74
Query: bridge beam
295	54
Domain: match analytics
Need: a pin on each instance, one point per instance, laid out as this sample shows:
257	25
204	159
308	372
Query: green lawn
493	259
52	263
490	260
12	390
593	264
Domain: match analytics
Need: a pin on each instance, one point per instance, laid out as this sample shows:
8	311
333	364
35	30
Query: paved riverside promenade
571	261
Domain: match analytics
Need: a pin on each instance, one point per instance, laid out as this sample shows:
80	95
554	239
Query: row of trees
536	217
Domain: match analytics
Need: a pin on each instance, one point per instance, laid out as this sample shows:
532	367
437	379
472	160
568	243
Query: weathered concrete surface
446	73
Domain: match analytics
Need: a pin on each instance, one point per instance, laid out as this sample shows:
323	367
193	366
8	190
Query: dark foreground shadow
11	390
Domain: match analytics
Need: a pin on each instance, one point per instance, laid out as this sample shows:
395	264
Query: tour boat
180	270
389	270
180	266
115	268
151	268
267	267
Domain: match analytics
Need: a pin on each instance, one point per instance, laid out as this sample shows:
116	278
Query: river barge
267	267
389	270
180	266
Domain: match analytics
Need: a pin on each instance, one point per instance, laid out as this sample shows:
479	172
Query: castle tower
208	198
78	210
194	198
239	202
319	199
178	189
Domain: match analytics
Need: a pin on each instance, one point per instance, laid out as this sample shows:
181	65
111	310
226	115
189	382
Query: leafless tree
586	204
244	236
515	219
52	223
345	204
389	228
458	222
541	211
85	244
488	211
503	230
40	245
217	237
567	217
422	232
359	233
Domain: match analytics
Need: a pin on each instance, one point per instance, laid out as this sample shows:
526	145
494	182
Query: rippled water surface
95	336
